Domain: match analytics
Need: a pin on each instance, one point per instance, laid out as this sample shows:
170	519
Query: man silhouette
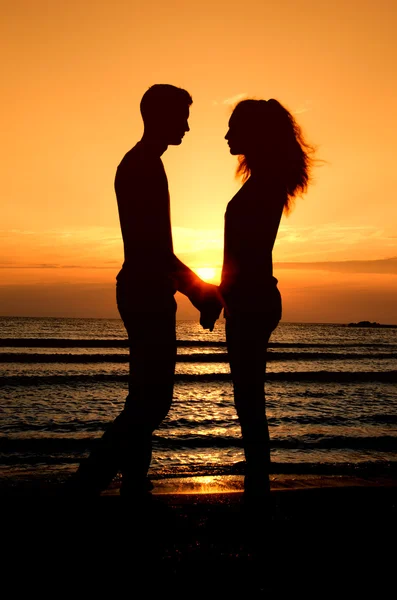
146	284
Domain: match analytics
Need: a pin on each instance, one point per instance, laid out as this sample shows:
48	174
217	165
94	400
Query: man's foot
132	488
256	486
257	500
76	487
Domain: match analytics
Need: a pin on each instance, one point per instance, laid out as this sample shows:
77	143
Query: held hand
207	321
211	307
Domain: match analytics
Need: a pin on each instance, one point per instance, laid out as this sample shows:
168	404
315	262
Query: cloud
11	265
328	247
386	266
232	100
333	242
303	109
71	300
93	247
111	265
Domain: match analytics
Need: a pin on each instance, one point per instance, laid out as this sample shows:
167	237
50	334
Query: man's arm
204	296
187	282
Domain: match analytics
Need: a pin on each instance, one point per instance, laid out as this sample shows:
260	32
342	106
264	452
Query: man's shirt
150	270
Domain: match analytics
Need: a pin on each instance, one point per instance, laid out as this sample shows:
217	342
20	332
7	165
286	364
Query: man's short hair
162	98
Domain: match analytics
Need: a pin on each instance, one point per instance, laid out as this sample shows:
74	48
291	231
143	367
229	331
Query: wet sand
192	541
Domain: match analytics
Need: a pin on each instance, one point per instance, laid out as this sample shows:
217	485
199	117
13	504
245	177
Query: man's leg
126	444
152	342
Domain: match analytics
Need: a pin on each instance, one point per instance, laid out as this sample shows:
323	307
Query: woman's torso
252	220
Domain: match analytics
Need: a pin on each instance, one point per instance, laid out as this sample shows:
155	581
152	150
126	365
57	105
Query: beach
332	410
187	543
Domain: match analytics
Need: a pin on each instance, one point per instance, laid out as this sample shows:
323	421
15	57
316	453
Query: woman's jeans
247	337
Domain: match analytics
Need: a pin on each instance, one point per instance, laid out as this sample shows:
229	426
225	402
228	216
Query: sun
206	273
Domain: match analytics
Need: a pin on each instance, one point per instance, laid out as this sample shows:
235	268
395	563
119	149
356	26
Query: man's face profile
175	125
165	113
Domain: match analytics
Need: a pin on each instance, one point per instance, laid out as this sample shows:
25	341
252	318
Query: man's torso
143	202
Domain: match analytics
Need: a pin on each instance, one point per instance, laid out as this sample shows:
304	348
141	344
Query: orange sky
71	84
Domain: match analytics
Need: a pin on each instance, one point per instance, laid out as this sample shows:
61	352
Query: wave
81	428
36	446
123	343
375	468
313	419
363	468
296	376
386	443
11	357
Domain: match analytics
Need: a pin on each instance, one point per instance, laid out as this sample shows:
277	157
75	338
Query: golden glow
60	242
216	484
206	273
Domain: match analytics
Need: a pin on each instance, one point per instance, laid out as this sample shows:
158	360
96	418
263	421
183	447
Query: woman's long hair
275	145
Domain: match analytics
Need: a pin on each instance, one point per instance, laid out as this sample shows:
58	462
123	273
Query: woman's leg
247	338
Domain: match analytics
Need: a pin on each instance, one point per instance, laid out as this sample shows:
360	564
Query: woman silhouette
274	165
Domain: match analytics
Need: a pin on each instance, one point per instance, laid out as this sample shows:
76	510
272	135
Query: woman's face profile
239	135
234	136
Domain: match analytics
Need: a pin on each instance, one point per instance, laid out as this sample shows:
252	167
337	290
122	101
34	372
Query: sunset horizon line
289	322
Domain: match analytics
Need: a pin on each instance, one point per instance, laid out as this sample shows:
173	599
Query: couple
274	165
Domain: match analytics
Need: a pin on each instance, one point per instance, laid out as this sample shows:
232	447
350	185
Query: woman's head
268	140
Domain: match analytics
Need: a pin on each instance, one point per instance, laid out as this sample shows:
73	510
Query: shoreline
227	484
206	486
324	501
209	541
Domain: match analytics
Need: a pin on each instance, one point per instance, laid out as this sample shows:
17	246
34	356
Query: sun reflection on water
206	484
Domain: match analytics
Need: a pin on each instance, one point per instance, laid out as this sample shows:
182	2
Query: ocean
331	399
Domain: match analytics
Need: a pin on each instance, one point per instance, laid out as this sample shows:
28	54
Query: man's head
165	112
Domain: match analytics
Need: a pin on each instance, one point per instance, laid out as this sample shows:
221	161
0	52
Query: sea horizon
221	319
